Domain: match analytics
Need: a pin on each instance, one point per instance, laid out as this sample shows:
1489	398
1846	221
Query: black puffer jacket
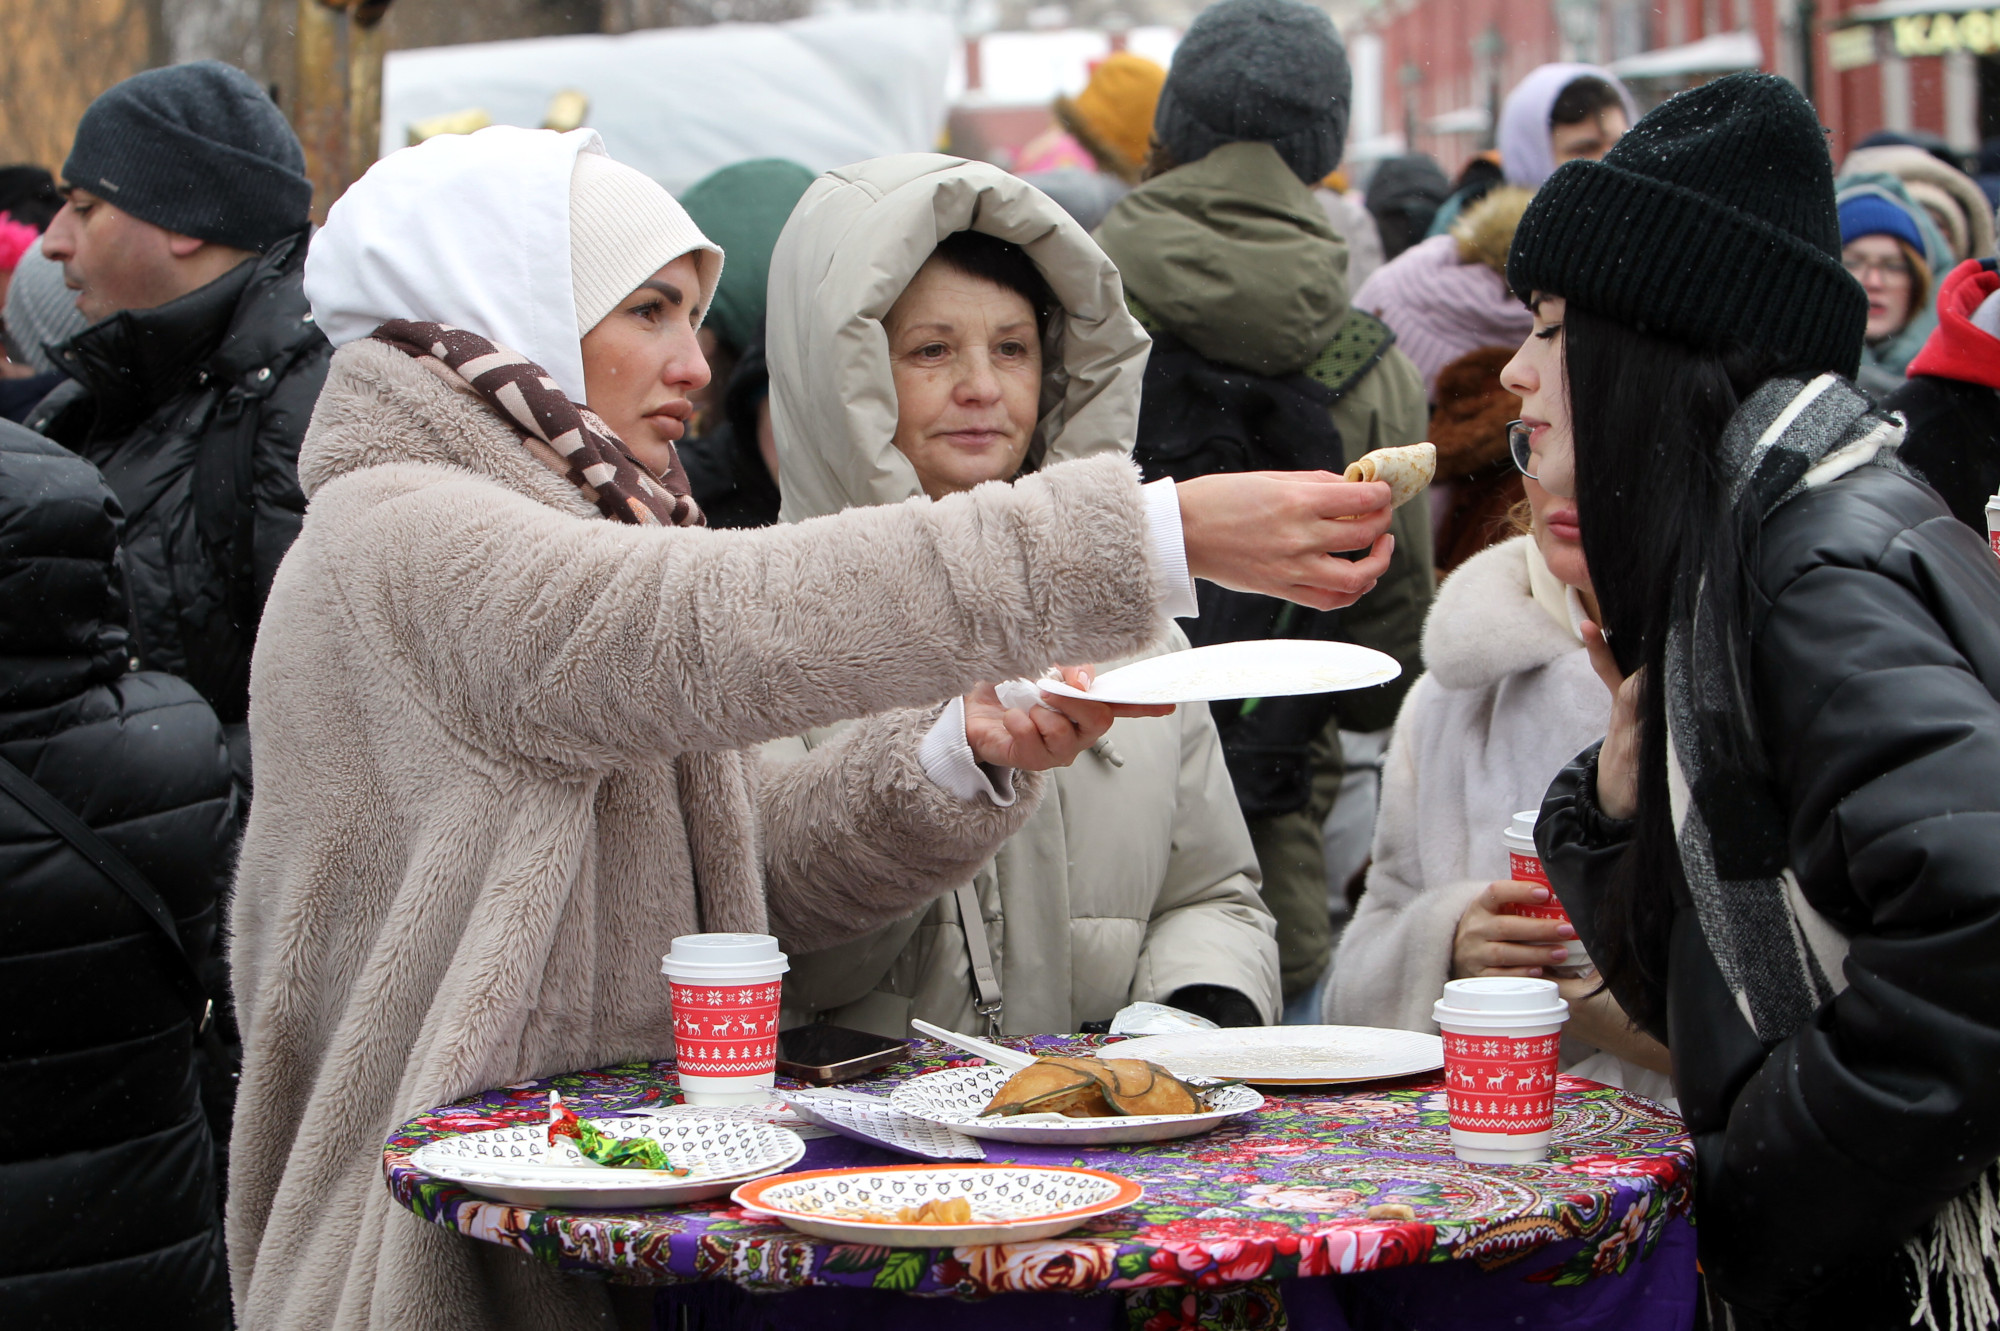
1875	657
194	411
1954	441
109	1210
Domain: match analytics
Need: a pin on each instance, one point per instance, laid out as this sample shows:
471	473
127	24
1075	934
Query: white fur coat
1508	698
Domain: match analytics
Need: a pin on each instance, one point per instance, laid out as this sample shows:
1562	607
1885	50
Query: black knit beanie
1272	71
197	149
1712	221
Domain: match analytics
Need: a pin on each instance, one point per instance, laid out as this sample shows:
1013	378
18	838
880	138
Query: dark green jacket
1235	257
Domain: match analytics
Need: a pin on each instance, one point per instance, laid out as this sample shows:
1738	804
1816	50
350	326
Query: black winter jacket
1953	441
109	1205
193	411
1875	659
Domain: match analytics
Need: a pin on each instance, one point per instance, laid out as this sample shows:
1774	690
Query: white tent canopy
678	103
1723	53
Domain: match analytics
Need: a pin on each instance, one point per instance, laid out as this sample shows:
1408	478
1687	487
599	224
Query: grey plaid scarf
1781	959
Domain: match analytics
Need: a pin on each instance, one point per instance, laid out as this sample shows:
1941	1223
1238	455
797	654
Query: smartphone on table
822	1055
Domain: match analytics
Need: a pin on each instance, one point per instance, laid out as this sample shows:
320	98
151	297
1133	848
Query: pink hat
15	240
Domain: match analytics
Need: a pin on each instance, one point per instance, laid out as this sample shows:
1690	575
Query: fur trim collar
1485	624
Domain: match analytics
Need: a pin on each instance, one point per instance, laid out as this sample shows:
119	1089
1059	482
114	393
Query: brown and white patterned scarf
567	438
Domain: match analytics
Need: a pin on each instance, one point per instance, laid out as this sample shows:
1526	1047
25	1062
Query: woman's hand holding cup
1491	941
1280	533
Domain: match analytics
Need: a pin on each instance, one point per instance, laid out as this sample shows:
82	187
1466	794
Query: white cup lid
1501	993
724	949
1524	823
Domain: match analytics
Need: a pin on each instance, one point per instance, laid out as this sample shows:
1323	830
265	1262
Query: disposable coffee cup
725	1007
1501	1037
1993	524
1524	865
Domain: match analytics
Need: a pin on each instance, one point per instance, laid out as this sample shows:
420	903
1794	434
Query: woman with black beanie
1783	856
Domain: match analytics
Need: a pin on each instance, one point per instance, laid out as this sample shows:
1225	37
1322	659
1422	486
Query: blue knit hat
1874	215
198	149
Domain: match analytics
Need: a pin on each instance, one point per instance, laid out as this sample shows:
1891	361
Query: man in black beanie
1259	362
184	238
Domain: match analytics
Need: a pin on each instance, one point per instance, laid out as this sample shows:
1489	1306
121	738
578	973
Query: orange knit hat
1117	105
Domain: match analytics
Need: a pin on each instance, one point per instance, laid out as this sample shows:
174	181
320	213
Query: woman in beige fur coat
499	739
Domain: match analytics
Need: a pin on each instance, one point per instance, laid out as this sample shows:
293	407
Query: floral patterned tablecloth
1285	1192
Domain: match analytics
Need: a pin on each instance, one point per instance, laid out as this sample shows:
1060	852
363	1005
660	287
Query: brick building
1432	72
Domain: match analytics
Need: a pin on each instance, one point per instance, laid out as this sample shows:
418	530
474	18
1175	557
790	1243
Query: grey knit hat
41	312
1270	71
198	149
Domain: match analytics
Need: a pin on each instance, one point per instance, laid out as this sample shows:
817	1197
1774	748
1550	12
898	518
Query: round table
1313	1184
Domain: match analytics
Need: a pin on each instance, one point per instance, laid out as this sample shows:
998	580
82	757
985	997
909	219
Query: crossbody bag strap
107	860
985	980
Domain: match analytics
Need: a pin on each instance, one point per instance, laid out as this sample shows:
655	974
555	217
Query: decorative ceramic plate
509	1164
1266	668
1010	1203
1289	1055
955	1096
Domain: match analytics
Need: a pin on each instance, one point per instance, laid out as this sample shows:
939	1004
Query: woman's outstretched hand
1038	738
1279	533
1618	760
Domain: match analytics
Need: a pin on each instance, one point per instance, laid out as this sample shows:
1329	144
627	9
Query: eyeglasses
1520	444
1887	268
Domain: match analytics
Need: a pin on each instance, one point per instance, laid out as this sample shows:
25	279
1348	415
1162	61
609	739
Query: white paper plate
508	1164
1268	668
1289	1055
1012	1203
872	1119
955	1096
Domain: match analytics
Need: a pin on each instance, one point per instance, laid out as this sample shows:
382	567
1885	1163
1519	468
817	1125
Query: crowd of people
413	623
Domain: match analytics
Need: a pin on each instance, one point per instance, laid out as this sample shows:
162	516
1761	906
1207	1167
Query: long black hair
1647	414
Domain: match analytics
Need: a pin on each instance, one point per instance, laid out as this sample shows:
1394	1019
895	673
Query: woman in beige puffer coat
500	740
1135	879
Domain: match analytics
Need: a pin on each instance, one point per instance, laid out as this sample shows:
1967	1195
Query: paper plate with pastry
1073	1102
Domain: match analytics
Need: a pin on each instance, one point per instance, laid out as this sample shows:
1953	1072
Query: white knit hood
474	230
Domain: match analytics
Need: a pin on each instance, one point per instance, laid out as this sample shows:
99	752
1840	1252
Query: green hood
1235	257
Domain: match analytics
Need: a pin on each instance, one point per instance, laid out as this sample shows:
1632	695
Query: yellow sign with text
1977	31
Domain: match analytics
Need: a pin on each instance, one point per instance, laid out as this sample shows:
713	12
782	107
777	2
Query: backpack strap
1358	345
106	859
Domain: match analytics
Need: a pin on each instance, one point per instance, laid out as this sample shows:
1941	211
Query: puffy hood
1966	345
1526	154
62	617
1953	194
1235	257
1893	353
471	230
853	243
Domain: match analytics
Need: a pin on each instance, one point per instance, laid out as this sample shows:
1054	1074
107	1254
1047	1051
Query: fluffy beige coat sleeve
577	644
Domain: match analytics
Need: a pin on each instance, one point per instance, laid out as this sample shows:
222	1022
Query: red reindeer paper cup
1501	1034
1524	865
725	996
